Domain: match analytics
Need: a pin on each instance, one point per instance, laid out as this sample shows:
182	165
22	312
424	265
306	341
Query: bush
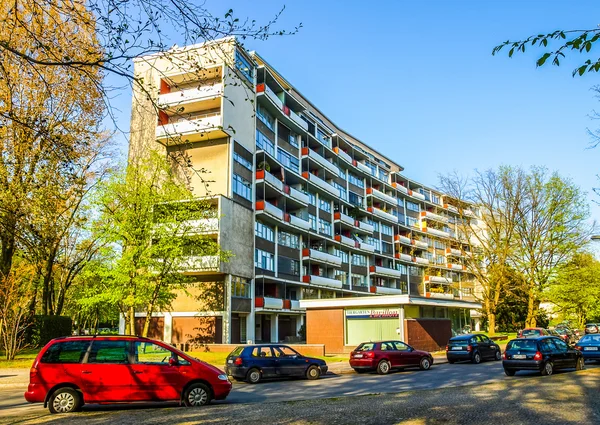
45	328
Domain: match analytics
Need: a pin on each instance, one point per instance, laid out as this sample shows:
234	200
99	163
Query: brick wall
326	327
304	349
428	334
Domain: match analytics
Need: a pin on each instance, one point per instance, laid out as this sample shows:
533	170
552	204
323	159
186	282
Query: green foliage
45	328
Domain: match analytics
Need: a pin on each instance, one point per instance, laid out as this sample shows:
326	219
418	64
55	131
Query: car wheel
548	369
451	361
498	355
383	368
509	372
424	364
65	400
580	364
313	372
196	395
476	358
253	376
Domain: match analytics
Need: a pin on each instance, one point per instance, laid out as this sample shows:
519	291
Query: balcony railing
363	168
323	281
366	227
416	194
342	154
204	225
419	244
270	209
298	222
200	124
402	239
385	290
306	152
421	260
451	208
401	188
454	251
273	97
320	256
190	95
344	218
268	302
437	279
432	216
384	271
440	295
269	178
295	305
299	121
366	247
382	196
345	240
383	214
455	266
298	195
317	181
196	264
436	232
404	257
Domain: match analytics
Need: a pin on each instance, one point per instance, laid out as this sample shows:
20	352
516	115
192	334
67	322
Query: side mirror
173	361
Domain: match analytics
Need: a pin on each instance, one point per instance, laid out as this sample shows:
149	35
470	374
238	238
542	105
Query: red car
533	333
71	371
384	356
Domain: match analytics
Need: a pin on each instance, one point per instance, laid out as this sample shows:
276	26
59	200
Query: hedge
45	328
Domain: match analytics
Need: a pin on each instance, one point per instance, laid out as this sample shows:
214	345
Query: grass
218	359
23	360
509	335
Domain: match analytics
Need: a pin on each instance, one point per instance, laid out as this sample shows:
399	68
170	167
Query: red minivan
71	371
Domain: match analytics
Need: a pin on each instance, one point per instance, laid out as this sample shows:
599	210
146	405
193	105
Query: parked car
383	356
533	332
544	354
566	335
255	362
589	345
472	347
71	371
591	328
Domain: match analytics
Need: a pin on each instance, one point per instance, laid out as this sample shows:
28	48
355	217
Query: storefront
425	323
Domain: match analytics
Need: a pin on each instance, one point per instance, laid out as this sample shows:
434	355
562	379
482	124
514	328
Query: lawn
23	360
509	335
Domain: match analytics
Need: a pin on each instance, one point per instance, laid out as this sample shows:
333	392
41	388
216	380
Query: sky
416	80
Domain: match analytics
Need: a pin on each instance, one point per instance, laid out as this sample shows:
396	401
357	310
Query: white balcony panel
401	188
325	281
421	260
299	196
387	291
322	162
367	247
346	219
418	195
432	216
295	305
207	263
184	127
384	271
403	239
363	168
296	118
437	279
451	208
454	266
273	303
271	95
333	191
404	257
190	95
387	198
298	222
272	210
346	240
323	257
366	227
273	181
419	244
469	213
437	232
440	295
385	215
454	251
344	156
205	225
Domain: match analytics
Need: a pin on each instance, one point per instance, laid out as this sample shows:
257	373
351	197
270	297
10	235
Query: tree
551	226
575	289
489	237
157	231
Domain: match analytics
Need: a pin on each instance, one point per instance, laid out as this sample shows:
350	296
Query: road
13	406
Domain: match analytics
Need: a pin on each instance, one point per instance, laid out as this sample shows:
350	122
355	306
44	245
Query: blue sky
417	81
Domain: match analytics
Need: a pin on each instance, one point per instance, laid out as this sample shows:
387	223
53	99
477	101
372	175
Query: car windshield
522	344
590	326
368	346
531	332
590	339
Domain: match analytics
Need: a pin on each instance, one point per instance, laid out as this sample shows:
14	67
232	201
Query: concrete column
121	324
168	331
299	321
274	328
227	311
251	322
401	334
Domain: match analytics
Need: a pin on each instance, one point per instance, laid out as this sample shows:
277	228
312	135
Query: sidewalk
14	378
339	368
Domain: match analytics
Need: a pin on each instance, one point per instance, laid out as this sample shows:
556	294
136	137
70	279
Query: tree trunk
46	284
531	320
491	323
131	321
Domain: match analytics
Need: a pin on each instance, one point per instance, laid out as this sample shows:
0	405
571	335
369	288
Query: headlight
222	377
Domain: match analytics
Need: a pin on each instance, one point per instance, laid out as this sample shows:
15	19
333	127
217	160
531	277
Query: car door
559	355
407	355
106	373
388	351
157	373
569	355
264	359
486	346
288	362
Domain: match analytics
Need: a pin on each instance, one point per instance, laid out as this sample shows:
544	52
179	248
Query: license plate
358	356
230	361
519	356
457	348
590	348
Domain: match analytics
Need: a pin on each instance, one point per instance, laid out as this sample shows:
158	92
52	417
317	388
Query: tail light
577	347
33	375
504	356
469	348
238	361
447	348
538	356
370	354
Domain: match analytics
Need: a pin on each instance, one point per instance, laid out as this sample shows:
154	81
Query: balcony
385	290
455	266
436	232
383	214
272	96
322	184
309	153
432	216
186	127
346	219
451	208
366	247
384	271
298	195
186	96
343	155
362	167
268	303
453	251
269	209
437	279
321	257
295	305
400	188
419	244
440	295
421	260
345	240
298	222
323	281
382	196
299	121
204	225
200	264
404	257
366	227
262	175
402	239
417	195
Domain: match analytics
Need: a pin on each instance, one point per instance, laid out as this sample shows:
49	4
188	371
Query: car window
530	332
387	346
237	351
262	352
473	340
66	352
400	346
367	346
285	352
109	352
522	345
590	339
150	353
546	345
484	339
560	345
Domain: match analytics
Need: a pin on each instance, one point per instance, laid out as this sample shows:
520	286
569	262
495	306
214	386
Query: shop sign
379	313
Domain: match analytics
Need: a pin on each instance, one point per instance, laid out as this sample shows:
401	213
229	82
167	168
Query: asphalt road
14	409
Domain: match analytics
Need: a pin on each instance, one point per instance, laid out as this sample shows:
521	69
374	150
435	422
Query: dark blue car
589	345
255	362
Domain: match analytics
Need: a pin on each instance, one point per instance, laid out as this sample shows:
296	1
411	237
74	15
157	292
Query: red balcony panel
304	151
260	174
287	304
163	118
260	88
259	302
373	289
337	215
164	87
286	110
305	174
372	269
260	205
306	278
369	190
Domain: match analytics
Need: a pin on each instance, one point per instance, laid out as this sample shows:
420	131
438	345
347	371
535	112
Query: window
400	346
263	231
342	254
313	222
242	187
66	352
414	271
359	280
109	352
386	230
401	217
263	260
435	198
266	118
439	244
244	66
359	260
152	354
386	248
325	205
341	173
312	199
355	180
375	242
285	352
287	265
264	143
288	239
293	139
242	161
323	138
411	221
383	175
288	160
341	275
440	259
342	190
402	268
373	168
262	352
324	227
240	287
354	199
412	206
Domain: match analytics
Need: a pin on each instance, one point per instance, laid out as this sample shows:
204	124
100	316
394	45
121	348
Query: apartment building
306	210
